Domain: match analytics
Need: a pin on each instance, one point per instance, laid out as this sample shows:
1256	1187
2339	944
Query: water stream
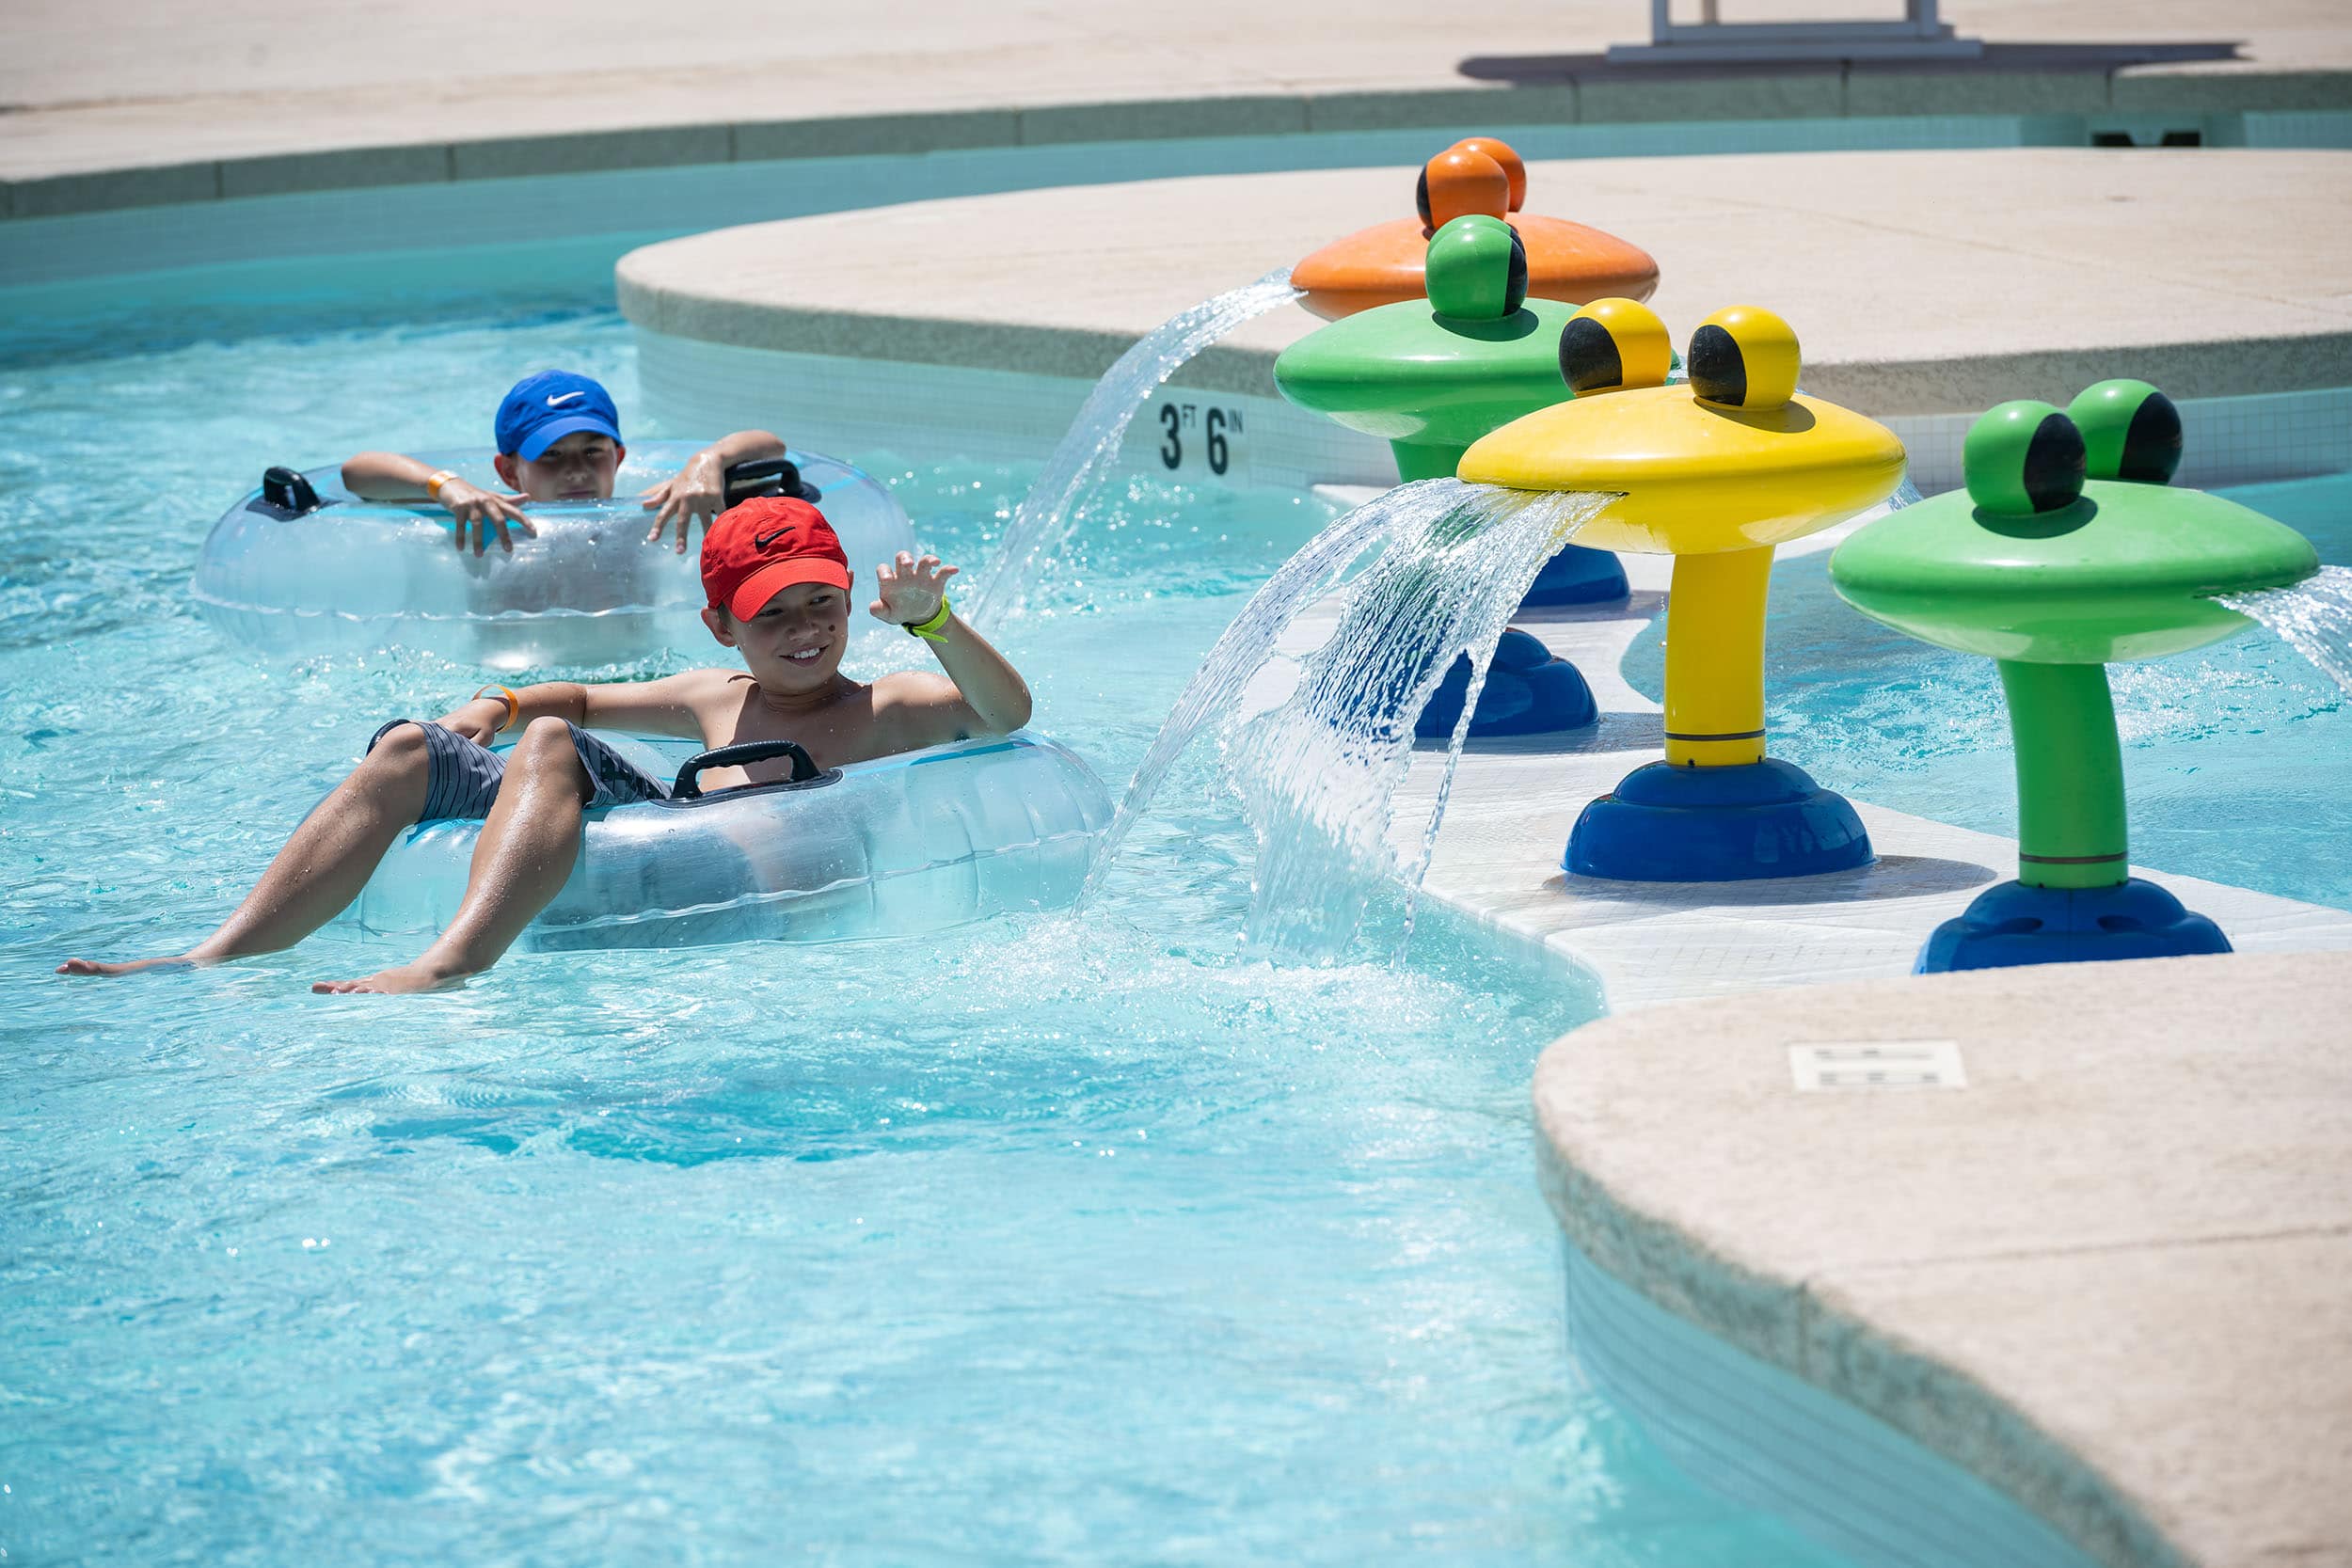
1317	767
1049	511
2313	617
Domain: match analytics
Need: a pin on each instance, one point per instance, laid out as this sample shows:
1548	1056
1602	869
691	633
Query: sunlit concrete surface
2107	1275
442	88
1917	282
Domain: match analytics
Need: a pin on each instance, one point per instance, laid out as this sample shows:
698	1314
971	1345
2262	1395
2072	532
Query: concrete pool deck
133	103
2218	272
2106	1274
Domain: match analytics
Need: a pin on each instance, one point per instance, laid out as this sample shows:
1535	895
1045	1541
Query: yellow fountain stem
1715	659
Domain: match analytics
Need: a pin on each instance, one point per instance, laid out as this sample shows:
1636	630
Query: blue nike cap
541	410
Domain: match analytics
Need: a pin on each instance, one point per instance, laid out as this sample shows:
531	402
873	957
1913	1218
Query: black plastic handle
767	476
287	490
689	786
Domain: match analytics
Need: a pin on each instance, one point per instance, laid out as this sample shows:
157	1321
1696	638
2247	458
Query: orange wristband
433	488
514	705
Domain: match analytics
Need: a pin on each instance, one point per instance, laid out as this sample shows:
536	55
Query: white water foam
2313	617
1317	771
1048	511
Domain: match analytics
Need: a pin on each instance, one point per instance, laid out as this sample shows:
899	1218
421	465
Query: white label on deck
1876	1065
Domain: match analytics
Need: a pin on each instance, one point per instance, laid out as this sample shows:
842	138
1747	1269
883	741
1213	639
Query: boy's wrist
933	627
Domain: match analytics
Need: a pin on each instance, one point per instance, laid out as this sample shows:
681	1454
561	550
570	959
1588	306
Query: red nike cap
767	543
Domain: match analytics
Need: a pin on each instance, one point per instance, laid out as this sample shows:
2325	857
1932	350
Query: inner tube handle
689	788
767	476
286	489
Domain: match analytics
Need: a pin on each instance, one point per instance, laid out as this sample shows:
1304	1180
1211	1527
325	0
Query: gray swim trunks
464	777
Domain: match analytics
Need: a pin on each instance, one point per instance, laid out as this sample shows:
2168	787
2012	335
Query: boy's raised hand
696	491
484	512
910	591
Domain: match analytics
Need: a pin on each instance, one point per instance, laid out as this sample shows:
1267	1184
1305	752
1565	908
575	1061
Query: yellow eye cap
1743	357
1612	344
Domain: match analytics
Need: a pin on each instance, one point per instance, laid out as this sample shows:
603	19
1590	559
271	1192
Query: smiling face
793	647
579	468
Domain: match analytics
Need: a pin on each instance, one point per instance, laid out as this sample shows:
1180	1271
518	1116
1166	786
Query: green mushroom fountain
2068	551
1430	377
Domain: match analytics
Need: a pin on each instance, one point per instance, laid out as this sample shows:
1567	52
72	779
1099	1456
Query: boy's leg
326	861
528	845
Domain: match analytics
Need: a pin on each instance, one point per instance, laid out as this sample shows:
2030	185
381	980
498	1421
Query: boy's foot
390	982
91	966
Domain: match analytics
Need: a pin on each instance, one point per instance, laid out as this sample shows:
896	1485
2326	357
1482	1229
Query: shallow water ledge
1924	316
2106	1275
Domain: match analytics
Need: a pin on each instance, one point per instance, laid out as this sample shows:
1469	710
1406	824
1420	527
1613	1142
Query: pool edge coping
1686	94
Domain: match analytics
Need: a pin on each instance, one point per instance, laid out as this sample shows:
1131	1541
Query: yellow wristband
928	630
433	488
514	705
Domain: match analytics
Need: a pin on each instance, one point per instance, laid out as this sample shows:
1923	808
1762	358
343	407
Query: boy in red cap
778	586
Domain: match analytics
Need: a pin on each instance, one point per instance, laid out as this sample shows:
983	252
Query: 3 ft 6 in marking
1200	432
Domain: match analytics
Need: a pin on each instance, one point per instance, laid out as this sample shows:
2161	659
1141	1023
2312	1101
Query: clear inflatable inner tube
351	576
897	846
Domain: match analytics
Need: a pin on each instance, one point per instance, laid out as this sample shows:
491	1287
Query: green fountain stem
1417	460
2069	775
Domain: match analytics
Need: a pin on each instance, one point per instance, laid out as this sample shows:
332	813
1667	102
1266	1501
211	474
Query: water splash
1318	771
2313	617
1047	512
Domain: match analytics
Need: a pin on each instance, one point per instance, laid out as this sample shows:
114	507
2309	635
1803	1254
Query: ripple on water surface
1074	1239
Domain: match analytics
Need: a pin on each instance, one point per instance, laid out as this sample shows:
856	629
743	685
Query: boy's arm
665	706
699	489
388	476
987	686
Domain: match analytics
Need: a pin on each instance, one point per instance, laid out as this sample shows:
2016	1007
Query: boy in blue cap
559	439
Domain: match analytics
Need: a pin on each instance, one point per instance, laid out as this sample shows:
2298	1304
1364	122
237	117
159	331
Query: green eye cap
1476	269
2022	458
2131	432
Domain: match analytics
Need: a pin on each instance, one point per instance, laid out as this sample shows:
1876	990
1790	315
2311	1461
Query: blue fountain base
2013	923
1528	690
1669	824
1578	575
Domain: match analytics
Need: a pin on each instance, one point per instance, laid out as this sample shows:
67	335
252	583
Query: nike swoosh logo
557	402
761	541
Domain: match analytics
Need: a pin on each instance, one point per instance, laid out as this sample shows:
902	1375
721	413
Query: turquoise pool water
1054	1239
2235	755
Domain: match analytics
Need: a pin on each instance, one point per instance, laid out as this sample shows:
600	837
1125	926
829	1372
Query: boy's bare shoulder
916	688
920	707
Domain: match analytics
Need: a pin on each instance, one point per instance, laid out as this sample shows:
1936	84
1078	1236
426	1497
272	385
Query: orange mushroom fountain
1382	265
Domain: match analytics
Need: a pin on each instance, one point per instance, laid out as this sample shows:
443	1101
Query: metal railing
1711	40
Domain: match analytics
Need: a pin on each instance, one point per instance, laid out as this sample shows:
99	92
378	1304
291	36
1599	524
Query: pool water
2235	755
1063	1239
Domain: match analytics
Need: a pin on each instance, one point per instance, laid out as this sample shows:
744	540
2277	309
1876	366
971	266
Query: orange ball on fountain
1383	265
